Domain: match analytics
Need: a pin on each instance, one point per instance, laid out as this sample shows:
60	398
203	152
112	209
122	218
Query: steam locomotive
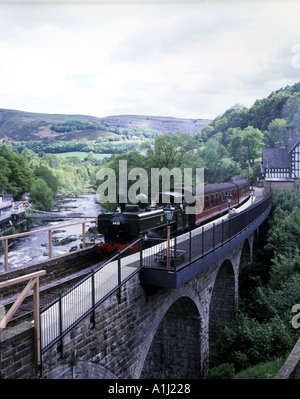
134	220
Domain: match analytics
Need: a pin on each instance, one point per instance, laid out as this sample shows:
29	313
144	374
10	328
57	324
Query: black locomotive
131	221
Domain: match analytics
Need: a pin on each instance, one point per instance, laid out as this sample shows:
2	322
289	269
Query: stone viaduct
143	330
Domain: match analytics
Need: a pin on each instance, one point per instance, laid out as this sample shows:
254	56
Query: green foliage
75	125
268	288
15	174
44	175
284	228
247	342
223	371
48	176
42	195
275	134
266	370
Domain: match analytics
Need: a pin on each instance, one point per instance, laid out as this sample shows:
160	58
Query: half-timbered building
281	166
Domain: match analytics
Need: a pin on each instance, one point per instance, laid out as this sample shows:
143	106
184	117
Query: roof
215	187
275	158
279	157
292	142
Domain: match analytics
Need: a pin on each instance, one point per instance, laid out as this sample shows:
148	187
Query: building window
296	162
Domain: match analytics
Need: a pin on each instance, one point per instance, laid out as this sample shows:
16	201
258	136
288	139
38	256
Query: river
34	248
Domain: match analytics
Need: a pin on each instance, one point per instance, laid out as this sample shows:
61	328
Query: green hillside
283	104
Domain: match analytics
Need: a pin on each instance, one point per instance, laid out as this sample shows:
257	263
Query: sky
184	58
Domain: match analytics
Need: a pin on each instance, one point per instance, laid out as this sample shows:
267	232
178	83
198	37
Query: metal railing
49	230
61	315
69	309
189	247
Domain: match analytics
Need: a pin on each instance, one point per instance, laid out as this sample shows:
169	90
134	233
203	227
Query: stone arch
246	253
256	238
173	344
223	298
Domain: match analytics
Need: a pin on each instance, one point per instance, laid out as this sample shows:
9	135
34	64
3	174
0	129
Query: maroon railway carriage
213	203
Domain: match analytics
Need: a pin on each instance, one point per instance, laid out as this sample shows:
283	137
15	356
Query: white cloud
185	59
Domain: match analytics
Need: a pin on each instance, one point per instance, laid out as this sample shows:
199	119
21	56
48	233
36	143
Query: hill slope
27	126
161	124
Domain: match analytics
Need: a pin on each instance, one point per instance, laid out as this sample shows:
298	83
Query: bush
223	371
265	370
245	341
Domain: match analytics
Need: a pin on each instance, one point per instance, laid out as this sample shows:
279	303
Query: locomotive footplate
162	256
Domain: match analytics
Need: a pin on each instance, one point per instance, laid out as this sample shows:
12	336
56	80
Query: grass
81	155
265	370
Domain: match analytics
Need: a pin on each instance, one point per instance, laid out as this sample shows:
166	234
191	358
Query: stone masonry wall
16	352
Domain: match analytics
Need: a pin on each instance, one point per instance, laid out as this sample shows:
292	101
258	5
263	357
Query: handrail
201	241
65	312
49	229
32	284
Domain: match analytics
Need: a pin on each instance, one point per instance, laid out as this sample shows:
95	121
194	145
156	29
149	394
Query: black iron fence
189	247
61	315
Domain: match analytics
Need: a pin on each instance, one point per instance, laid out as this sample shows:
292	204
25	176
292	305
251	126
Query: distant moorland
27	126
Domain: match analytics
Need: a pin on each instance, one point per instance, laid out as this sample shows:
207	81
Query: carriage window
217	199
212	203
206	202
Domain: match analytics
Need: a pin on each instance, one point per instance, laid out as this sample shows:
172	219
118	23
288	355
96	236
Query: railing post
60	325
83	234
190	247
202	236
119	277
50	243
175	253
222	231
141	252
213	236
93	297
37	327
5	249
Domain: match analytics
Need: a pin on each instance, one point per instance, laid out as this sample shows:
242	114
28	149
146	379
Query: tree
163	153
46	174
16	176
212	153
42	195
252	141
275	135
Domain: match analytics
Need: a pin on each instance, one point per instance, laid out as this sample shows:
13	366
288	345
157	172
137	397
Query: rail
49	229
61	315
